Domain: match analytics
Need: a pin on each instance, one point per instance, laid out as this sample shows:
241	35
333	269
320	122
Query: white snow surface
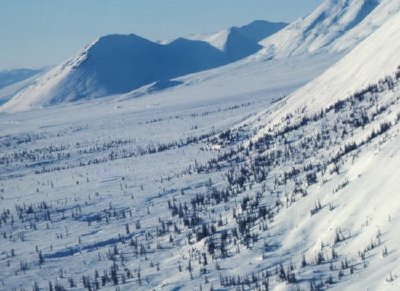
243	77
217	39
45	88
94	184
10	91
336	25
373	59
256	31
385	10
117	64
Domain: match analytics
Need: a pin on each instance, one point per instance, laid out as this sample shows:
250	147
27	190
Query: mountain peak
320	29
260	29
254	31
116	64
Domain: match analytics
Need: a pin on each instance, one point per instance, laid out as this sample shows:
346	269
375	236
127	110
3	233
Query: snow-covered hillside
10	91
227	181
12	76
117	64
336	25
76	138
14	80
371	60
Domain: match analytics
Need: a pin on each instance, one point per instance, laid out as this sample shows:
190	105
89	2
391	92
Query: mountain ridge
194	189
11	76
336	25
116	64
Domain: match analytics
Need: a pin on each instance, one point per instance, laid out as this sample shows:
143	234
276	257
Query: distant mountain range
117	64
276	172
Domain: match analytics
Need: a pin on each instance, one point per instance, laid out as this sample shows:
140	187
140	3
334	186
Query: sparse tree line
220	220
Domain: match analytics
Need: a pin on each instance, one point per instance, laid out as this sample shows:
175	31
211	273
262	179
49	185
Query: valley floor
178	191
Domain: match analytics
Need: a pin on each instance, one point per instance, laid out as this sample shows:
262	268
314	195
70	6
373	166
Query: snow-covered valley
264	174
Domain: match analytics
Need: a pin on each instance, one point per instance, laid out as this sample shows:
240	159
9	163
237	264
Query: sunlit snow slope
14	80
335	25
219	183
255	31
373	59
363	198
116	64
12	76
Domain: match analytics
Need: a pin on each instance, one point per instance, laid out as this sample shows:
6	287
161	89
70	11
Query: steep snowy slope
14	80
12	76
8	92
42	90
374	20
329	156
117	64
335	25
371	60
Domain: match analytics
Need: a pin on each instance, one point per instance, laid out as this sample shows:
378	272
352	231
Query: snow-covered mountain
15	80
225	40
373	59
12	76
336	25
117	64
345	125
212	186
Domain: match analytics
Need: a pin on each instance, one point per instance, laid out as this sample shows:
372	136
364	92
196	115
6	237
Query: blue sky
38	33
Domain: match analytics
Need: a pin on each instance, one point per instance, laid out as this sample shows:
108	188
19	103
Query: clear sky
35	33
